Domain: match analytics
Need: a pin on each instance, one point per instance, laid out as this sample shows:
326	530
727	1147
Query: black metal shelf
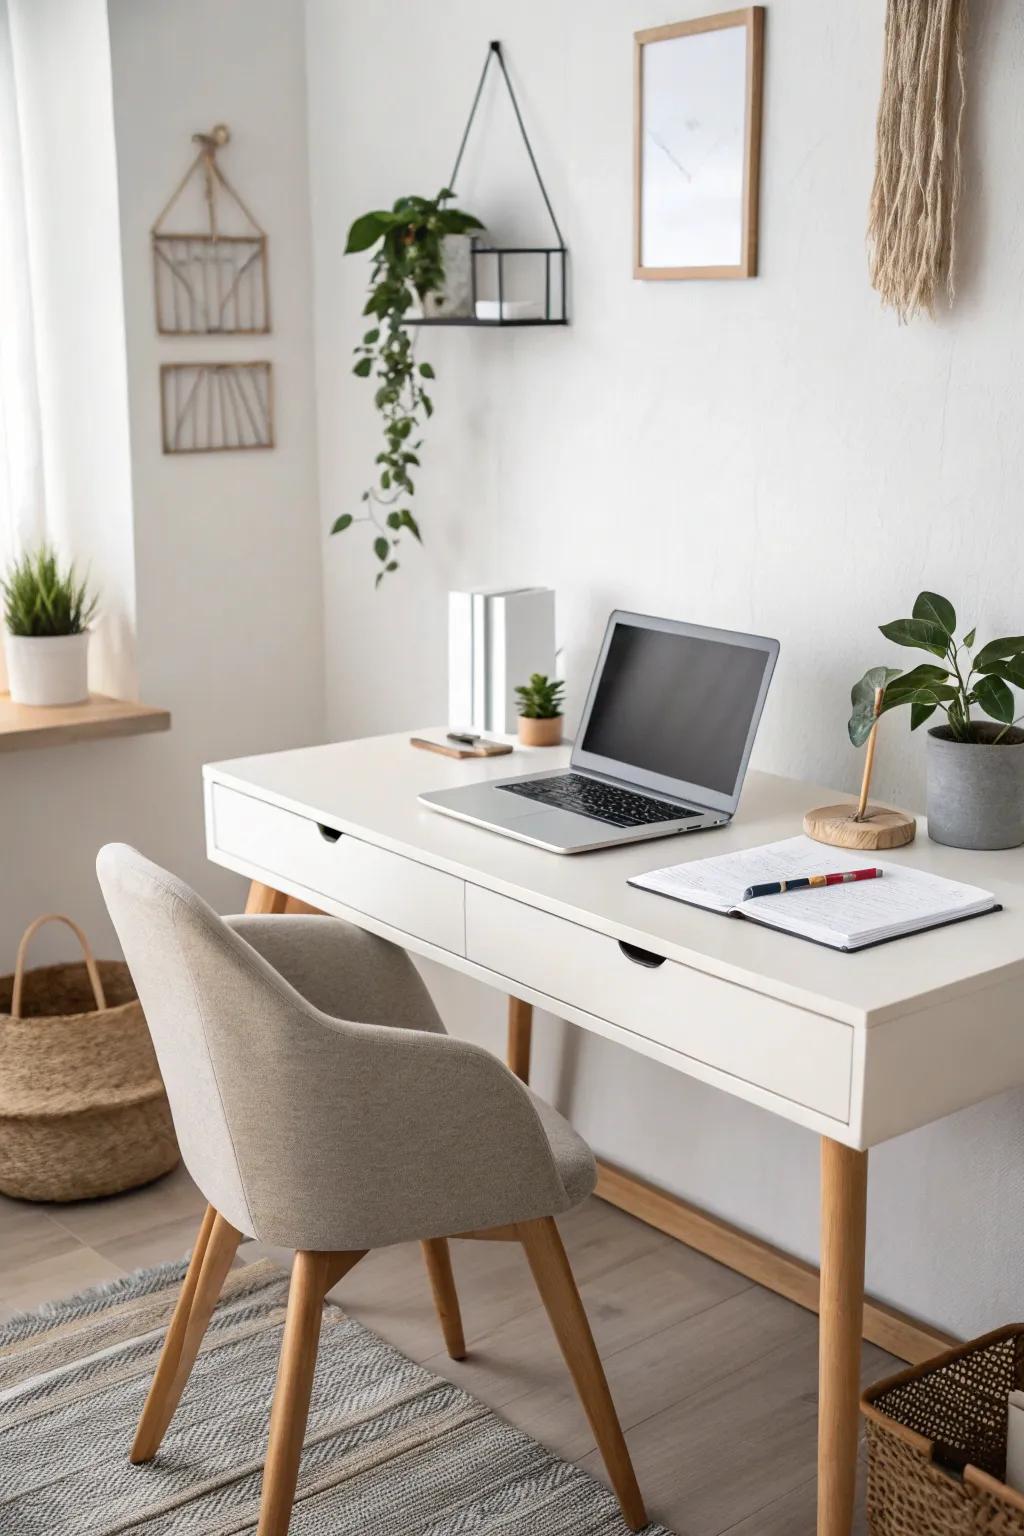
472	320
555	313
555	298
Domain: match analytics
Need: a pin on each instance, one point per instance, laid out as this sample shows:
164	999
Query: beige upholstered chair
320	1106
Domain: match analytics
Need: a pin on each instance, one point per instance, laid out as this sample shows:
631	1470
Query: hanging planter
511	284
429	269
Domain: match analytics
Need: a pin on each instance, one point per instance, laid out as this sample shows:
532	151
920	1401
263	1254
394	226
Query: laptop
663	744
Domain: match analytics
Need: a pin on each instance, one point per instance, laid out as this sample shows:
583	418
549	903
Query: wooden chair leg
442	1282
310	1273
212	1257
553	1274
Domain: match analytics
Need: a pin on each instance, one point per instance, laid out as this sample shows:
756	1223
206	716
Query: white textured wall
224	577
774	455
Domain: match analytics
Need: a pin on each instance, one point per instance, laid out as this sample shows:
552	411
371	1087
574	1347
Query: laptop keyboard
601	802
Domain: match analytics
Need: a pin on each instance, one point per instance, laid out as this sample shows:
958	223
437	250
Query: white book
482	606
478	722
849	916
521	641
460	661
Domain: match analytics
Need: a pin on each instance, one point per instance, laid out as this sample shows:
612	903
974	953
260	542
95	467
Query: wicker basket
937	1443
83	1110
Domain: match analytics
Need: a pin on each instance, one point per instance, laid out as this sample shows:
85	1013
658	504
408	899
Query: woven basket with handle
937	1443
83	1110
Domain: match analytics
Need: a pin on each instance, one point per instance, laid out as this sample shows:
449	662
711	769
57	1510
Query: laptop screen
677	704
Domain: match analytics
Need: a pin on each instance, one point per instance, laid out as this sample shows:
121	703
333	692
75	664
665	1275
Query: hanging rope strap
206	160
494	52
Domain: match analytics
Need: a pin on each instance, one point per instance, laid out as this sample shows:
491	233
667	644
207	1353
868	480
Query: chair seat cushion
573	1158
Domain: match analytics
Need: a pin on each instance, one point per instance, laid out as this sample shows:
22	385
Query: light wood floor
715	1379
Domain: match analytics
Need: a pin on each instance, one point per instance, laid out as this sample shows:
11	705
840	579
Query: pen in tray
805	882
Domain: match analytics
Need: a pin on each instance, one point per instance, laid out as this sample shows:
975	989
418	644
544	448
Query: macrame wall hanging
916	191
211	282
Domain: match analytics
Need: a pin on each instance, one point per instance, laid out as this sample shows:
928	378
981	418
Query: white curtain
21	463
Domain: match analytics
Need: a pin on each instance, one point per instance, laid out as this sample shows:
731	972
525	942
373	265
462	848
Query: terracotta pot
540	733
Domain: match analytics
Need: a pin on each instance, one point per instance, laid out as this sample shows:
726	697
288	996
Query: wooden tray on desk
454	749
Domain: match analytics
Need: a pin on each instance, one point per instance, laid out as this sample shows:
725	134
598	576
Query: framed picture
216	407
697	146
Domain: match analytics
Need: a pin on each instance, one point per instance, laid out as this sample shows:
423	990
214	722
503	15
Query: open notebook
842	916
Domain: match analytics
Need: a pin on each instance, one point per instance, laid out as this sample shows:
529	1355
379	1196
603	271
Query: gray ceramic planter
976	789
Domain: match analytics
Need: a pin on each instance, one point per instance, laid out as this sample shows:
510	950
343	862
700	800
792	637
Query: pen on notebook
777	887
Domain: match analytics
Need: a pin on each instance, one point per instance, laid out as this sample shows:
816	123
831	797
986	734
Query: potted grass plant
540	711
975	766
47	611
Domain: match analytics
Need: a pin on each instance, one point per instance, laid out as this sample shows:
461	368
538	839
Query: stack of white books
497	637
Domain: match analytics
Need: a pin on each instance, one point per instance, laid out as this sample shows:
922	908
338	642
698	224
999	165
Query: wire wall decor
212	282
216	407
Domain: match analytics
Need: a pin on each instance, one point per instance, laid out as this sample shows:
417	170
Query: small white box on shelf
509	309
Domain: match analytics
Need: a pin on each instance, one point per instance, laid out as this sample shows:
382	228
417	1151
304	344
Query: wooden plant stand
865	826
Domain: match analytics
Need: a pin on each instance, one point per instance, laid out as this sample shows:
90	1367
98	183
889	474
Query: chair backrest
310	1130
205	993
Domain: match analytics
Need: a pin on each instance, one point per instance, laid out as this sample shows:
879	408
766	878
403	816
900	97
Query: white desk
857	1048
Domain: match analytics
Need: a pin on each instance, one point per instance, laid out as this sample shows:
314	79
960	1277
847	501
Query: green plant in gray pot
975	766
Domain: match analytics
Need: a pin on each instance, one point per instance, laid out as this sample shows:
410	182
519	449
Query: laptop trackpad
558	829
486	801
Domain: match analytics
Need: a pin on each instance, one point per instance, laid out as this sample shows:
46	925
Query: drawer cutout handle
329	834
641	956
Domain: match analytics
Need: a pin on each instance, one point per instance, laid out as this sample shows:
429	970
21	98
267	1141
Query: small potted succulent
47	611
975	767
540	711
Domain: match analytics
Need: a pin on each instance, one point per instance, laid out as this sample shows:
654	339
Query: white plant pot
50	669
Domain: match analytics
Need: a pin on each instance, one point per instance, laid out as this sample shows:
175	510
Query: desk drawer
410	896
788	1051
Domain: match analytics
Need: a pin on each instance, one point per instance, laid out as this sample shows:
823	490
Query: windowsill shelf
25	725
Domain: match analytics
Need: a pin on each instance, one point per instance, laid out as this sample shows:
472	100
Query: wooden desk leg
264	901
520	1034
844	1191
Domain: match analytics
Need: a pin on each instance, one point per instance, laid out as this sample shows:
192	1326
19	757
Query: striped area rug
391	1449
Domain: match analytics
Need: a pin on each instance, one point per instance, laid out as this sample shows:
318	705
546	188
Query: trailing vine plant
408	264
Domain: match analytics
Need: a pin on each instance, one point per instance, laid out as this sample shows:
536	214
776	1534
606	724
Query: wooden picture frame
706	232
216	407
